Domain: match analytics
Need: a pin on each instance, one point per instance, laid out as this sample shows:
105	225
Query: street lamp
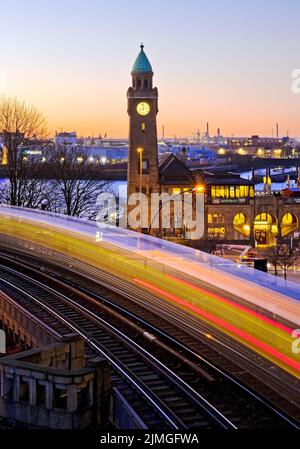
140	153
199	188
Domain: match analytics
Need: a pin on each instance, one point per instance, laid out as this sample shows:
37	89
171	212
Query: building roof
142	64
291	191
227	178
230	181
173	171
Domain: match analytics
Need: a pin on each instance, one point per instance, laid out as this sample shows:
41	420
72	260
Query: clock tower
142	175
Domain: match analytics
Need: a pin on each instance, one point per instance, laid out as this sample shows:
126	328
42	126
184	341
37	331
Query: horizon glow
226	63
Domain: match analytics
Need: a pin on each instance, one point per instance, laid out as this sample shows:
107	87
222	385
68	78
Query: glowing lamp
200	188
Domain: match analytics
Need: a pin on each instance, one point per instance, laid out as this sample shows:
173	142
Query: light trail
160	265
224	325
274	323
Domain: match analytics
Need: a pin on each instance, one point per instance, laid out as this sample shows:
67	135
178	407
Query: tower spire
142	63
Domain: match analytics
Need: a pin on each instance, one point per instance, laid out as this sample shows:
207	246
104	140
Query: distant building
254	141
104	154
199	153
257	146
233	212
65	138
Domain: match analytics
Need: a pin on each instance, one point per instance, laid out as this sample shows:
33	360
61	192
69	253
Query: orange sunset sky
226	63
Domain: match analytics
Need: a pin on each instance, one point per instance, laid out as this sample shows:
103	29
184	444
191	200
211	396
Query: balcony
220	201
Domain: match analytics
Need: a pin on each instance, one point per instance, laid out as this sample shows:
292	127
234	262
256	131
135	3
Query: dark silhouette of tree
287	257
76	182
21	127
208	245
272	255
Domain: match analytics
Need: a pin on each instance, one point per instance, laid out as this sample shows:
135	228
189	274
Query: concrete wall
54	388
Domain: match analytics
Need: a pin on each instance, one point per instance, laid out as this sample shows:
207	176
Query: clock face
143	108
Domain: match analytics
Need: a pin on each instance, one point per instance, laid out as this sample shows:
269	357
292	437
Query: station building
233	211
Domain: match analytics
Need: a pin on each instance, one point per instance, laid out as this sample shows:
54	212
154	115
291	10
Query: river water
117	186
275	187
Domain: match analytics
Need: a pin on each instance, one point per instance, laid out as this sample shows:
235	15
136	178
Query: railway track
197	392
178	404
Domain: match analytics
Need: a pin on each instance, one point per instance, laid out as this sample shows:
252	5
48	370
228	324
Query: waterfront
275	186
115	186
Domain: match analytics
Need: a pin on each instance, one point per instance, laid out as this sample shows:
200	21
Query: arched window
265	218
240	225
289	224
239	219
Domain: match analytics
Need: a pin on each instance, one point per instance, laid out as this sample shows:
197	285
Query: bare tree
74	187
272	254
287	257
20	126
208	245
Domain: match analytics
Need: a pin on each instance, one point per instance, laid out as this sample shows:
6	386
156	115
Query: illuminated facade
233	212
229	205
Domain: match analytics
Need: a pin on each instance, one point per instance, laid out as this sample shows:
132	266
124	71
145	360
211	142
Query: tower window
139	82
143	127
145	167
146	84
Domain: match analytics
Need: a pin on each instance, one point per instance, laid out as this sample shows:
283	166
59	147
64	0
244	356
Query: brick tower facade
143	174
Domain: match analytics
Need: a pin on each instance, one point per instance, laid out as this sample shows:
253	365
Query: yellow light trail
260	333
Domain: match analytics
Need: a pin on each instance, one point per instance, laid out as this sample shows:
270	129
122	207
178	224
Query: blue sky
226	62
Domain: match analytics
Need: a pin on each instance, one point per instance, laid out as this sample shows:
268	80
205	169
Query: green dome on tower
142	63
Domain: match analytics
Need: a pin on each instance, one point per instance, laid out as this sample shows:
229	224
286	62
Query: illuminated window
145	166
287	219
176	191
240	225
215	218
143	127
216	232
289	224
219	190
265	218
